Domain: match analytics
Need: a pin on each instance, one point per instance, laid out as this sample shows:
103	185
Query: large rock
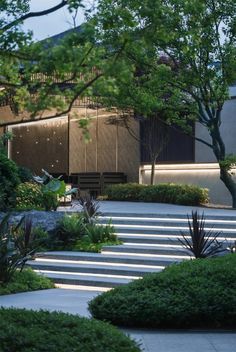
45	219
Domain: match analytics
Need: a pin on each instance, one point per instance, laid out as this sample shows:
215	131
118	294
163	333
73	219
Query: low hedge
193	294
26	331
27	280
161	193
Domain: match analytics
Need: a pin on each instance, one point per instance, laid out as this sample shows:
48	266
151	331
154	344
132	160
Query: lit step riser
48	267
86	282
142	260
182	216
136	249
156	240
210	225
166	231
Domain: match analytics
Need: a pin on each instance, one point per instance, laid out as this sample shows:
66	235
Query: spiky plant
202	243
90	208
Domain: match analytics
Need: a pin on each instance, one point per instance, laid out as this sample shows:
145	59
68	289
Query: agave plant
202	243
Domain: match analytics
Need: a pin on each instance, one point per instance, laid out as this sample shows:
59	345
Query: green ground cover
198	293
27	280
27	331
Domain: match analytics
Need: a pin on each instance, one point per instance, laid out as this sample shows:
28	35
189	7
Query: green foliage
25	174
9	180
10	258
59	332
161	193
85	246
229	162
52	189
24	281
70	229
126	191
99	233
74	232
29	239
192	294
29	196
54	62
202	243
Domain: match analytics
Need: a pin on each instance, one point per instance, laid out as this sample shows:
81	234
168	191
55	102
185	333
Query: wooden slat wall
178	148
41	145
112	149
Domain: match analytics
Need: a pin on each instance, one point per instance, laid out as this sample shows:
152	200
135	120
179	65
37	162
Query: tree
198	38
39	77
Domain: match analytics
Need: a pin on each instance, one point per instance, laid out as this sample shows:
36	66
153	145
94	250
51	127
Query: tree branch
34	14
64	112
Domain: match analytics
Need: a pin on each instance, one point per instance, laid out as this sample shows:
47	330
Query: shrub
9	180
193	294
124	191
29	196
23	330
24	281
100	233
161	193
70	229
25	174
50	200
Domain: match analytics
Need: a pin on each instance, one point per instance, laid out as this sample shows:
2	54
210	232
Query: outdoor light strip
190	166
64	261
233	222
167	237
83	288
169	227
41	121
87	274
161	256
170	246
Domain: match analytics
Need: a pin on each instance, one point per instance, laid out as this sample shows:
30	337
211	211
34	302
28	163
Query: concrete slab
75	302
152	208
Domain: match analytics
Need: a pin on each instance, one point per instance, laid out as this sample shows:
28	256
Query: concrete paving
153	208
75	302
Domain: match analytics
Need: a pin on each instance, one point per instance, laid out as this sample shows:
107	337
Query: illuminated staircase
150	243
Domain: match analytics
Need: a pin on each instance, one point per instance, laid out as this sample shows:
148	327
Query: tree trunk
153	171
220	154
226	177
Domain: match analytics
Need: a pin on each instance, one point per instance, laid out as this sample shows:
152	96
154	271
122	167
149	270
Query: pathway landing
75	302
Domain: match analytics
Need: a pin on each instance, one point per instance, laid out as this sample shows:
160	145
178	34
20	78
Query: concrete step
168	230
165	221
93	268
181	215
150	244
111	258
161	239
81	279
148	249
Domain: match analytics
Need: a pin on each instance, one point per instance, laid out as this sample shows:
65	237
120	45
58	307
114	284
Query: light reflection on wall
41	144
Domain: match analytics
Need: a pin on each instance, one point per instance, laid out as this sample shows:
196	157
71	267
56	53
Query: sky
51	24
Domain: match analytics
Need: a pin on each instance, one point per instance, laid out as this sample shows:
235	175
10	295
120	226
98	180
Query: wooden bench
112	178
87	181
